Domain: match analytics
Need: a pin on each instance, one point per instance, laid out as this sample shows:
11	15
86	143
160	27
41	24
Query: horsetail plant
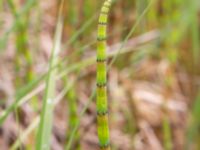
101	79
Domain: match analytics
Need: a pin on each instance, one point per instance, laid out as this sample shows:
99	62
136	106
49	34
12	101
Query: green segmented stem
102	104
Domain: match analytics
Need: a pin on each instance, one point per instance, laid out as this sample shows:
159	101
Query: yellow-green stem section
102	106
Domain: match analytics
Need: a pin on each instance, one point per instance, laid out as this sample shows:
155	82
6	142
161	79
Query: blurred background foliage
153	84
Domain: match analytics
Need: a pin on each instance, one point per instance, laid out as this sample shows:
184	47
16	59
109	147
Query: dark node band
101	38
102	23
102	113
101	60
105	145
100	85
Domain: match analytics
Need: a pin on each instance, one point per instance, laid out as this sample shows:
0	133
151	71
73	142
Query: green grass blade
35	122
131	32
195	31
193	127
167	138
45	127
20	94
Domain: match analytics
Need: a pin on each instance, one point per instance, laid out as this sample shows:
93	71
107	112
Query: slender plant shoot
101	79
46	120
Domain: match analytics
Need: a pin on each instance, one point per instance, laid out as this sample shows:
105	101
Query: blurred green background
153	83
